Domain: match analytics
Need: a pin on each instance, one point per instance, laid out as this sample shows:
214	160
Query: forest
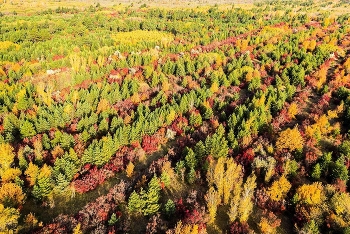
132	118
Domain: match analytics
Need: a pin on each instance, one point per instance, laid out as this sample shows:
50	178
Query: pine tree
151	198
61	182
199	150
316	172
146	202
169	208
191	176
135	203
195	119
190	159
216	145
27	129
103	127
113	220
190	69
180	70
43	186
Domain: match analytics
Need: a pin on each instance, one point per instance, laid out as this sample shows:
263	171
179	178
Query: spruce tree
27	129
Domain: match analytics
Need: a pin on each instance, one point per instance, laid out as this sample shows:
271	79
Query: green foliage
216	145
169	208
339	170
65	168
113	220
316	172
135	203
165	178
146	202
27	129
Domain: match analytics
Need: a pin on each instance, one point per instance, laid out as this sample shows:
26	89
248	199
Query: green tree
113	220
316	172
27	129
180	70
146	202
43	186
169	208
135	203
216	145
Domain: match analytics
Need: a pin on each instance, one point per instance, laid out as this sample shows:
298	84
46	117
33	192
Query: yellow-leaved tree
212	198
7	156
11	194
10	175
32	173
340	203
279	189
245	207
8	219
290	139
186	229
310	194
293	110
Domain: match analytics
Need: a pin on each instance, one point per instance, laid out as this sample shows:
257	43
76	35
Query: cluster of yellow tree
225	179
11	195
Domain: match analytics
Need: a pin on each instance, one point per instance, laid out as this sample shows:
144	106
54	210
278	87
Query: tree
212	199
27	129
216	145
146	202
340	203
180	70
8	219
296	75
246	204
339	170
151	198
186	229
234	204
169	208
290	139
135	203
7	157
113	220
316	172
292	110
10	175
11	194
279	189
129	169
269	224
77	229
310	194
43	186
195	119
